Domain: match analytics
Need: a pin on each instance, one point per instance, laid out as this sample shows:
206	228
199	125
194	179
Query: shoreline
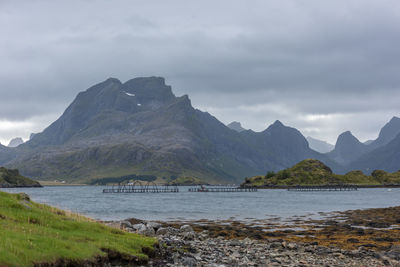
294	186
367	237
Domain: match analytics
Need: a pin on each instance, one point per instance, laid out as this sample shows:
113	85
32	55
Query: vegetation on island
314	172
186	180
123	179
12	178
35	234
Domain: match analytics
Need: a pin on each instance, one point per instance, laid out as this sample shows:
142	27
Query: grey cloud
275	60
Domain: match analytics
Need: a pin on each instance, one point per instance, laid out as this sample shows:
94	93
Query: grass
186	181
36	233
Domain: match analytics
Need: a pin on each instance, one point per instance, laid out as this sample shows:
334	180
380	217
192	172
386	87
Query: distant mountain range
382	153
15	142
235	125
140	127
319	145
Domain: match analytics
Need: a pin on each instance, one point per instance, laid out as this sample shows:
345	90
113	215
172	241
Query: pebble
185	247
201	250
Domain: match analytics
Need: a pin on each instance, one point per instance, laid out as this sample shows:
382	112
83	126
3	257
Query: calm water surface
264	204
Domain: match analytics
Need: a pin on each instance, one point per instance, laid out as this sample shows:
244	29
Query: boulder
162	231
147	231
138	226
125	224
186	228
154	225
189	236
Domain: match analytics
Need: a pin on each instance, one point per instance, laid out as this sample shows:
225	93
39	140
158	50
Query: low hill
12	178
186	181
34	234
314	172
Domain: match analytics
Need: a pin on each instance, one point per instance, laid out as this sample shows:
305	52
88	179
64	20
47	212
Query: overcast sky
323	67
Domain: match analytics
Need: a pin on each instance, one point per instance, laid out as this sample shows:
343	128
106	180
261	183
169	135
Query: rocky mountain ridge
115	129
140	127
380	153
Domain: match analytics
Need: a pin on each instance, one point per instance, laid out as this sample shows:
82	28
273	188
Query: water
264	204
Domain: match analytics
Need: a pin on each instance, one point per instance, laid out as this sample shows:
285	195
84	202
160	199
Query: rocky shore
237	244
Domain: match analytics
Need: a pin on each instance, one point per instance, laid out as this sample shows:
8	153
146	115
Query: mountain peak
237	126
346	138
387	133
103	99
112	80
278	123
347	148
149	87
16	142
276	126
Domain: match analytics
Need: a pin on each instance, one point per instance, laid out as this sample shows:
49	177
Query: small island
12	178
314	172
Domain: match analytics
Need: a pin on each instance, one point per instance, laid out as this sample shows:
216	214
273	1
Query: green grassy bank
32	233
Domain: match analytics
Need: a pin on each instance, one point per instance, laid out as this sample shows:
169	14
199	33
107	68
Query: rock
154	225
184	247
189	236
394	252
125	224
138	226
147	231
24	196
190	262
338	255
378	224
203	237
186	228
162	231
275	245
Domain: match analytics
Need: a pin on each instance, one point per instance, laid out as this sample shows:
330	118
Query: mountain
235	125
386	158
319	145
282	146
15	142
387	133
368	142
6	154
31	135
347	148
140	127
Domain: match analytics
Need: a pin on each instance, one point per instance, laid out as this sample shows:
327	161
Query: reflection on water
90	200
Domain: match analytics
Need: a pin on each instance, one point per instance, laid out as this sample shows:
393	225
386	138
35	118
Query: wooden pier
137	187
323	188
222	189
